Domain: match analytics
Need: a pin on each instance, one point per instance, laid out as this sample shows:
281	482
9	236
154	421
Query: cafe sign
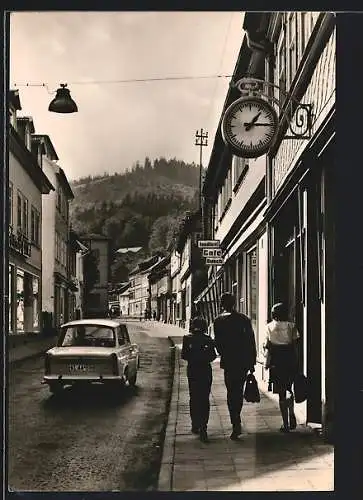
212	252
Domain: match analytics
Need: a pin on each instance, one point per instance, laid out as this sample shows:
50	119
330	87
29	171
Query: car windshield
87	336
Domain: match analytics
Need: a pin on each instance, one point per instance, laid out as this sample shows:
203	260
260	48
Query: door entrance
314	298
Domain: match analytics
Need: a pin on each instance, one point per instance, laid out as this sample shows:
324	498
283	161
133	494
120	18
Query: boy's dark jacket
235	340
198	349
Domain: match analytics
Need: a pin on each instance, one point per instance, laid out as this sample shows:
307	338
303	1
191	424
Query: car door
132	350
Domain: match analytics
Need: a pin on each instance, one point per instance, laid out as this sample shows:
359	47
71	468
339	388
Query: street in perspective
172	290
90	439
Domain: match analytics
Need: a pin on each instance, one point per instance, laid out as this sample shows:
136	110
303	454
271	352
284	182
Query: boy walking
198	350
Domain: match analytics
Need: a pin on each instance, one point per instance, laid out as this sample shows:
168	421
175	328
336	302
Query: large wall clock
249	127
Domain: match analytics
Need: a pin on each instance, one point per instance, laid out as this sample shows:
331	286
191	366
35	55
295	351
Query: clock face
249	126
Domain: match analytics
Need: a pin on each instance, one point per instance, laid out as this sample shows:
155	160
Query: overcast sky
120	123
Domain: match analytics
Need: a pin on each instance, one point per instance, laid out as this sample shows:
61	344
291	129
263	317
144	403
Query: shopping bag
251	392
300	388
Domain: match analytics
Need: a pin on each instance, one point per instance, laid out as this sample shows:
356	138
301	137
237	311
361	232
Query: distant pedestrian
235	342
281	347
154	315
198	350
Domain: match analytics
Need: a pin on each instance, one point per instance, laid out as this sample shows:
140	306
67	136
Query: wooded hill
142	207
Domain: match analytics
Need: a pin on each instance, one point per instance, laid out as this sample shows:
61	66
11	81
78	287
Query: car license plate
80	368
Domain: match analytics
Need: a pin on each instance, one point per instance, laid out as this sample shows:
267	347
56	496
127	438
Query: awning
211	283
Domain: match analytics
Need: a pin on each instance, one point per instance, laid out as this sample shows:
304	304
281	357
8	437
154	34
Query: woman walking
281	347
198	350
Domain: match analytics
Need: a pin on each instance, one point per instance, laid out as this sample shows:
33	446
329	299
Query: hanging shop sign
212	252
209	243
214	261
250	125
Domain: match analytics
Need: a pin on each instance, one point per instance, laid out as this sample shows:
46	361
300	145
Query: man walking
235	342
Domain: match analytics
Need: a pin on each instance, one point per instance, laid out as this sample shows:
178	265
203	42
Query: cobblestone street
87	440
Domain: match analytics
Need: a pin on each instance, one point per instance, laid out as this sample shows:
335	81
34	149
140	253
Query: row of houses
272	215
46	257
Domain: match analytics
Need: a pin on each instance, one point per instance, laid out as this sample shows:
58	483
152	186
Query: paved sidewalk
31	349
262	460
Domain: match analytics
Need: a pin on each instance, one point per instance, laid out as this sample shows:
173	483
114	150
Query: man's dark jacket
235	341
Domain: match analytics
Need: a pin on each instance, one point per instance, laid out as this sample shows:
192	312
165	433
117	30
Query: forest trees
140	208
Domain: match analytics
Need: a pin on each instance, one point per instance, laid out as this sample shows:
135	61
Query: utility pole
201	140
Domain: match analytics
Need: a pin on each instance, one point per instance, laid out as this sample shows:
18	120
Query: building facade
76	254
96	296
27	184
123	297
175	285
192	275
140	292
274	215
119	296
300	212
80	256
160	289
58	288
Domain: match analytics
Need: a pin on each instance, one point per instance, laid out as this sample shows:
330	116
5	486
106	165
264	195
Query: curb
167	461
31	355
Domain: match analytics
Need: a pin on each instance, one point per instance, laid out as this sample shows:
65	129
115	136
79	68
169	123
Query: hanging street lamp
63	103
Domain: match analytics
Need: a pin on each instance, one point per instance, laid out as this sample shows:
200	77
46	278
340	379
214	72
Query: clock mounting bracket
296	115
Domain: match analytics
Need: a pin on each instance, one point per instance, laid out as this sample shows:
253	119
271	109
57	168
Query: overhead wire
128	80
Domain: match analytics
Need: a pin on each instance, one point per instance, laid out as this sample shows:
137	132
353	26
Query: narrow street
89	440
214	237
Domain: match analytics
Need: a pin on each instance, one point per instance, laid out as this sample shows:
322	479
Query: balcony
19	243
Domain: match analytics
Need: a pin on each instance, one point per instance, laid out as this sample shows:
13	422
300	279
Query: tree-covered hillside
142	207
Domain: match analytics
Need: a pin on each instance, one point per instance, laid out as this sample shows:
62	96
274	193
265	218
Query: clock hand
257	125
252	122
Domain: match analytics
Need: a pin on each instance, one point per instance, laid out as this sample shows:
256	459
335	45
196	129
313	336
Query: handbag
300	388
251	392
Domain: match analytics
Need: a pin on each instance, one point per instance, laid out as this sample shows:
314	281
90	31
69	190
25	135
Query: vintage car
92	351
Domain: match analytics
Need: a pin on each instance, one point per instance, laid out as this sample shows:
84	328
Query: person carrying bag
282	361
235	342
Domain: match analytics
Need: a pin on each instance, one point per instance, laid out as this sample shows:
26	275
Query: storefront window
252	287
11	294
20	301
